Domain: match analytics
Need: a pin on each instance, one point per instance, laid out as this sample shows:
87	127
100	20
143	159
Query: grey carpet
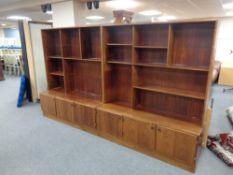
33	145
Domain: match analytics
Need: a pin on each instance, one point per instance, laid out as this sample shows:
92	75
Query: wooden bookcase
144	86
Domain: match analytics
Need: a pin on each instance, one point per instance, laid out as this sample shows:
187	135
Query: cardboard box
226	75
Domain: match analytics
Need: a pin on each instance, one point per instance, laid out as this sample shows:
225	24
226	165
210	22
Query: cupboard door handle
159	130
152	127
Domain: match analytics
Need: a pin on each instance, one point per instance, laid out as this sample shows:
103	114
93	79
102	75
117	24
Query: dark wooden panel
119	84
151	56
109	123
71	43
56	82
51	42
152	35
120	34
170	105
55	65
192	81
119	53
193	44
91	45
139	133
84	78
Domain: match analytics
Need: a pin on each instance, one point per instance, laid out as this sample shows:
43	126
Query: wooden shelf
150	47
156	65
119	62
118	44
172	91
121	103
57	73
92	59
58	89
72	58
55	57
76	94
201	69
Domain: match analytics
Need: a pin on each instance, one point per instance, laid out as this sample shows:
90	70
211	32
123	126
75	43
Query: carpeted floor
33	145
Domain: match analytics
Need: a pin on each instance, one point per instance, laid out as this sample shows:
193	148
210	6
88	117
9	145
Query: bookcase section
71	43
91	43
144	86
192	45
52	42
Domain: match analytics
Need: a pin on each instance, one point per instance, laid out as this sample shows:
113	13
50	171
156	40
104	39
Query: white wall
224	41
80	13
63	14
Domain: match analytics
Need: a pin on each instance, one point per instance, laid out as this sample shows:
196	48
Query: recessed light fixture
49	12
229	13
19	18
94	17
150	12
228	5
166	18
122	4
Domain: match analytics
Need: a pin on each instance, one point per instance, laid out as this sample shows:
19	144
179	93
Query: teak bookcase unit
144	86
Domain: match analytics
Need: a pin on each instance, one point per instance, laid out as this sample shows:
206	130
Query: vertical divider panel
170	44
105	71
134	72
208	85
80	43
103	58
63	60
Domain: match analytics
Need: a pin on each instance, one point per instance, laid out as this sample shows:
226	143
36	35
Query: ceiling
182	9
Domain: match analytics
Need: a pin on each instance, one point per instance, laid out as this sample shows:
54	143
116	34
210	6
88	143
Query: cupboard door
185	148
65	109
77	114
109	123
139	133
88	116
165	141
48	104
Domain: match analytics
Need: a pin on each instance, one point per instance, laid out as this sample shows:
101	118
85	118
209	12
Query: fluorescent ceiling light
150	12
122	4
3	24
228	5
19	18
94	17
49	12
166	18
230	13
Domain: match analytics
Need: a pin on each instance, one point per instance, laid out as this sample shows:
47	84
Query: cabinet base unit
144	86
170	140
